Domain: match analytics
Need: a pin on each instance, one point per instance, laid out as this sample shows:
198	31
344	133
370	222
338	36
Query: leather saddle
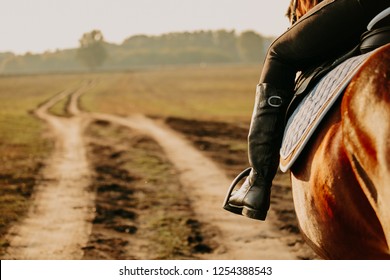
377	35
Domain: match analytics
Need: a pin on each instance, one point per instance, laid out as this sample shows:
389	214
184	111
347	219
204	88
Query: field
139	205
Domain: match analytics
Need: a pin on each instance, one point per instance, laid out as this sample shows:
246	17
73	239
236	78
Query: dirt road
62	219
59	221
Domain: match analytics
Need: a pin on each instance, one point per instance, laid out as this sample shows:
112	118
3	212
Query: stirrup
226	205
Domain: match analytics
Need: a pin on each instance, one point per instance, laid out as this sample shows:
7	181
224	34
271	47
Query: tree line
94	53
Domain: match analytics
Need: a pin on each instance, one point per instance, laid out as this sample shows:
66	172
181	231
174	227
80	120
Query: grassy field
205	93
219	93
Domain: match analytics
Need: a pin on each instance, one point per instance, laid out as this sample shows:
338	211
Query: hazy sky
39	25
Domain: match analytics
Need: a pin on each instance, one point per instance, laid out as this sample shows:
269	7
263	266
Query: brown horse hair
302	7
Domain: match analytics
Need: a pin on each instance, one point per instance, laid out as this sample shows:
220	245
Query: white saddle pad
312	109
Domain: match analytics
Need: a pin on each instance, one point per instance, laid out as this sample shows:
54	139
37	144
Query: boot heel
226	205
254	214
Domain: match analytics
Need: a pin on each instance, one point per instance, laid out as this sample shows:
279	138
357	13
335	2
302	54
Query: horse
340	182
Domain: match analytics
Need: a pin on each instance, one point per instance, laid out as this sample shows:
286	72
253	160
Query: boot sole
247	212
254	214
233	209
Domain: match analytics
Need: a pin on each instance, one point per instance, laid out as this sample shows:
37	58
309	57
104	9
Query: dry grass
219	93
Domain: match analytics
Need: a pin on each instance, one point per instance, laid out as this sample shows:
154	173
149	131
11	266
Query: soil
145	188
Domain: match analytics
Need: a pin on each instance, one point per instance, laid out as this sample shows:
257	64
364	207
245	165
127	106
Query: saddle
318	88
377	35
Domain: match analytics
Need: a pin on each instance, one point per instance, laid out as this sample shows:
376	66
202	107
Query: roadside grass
59	109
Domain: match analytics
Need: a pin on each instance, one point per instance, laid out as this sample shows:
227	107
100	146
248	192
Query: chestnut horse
341	181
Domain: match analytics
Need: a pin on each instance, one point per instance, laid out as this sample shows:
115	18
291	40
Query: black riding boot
265	136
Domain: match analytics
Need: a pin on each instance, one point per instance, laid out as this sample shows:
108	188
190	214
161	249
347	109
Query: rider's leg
329	29
265	136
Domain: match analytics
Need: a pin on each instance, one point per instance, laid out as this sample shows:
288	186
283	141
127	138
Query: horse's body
341	181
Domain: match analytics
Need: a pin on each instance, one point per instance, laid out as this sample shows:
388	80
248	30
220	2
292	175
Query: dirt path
206	184
60	221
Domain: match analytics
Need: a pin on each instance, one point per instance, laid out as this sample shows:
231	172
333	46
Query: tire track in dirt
59	221
206	184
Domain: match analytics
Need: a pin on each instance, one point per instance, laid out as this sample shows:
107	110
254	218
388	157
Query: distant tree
226	40
137	42
251	47
92	52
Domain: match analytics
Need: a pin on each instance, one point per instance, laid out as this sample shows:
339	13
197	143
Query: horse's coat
341	181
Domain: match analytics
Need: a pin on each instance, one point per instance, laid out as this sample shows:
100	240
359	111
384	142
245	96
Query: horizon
50	25
126	38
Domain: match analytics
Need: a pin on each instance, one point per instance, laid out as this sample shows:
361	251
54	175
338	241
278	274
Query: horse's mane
302	7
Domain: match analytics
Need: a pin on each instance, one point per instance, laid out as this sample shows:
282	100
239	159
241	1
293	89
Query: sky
46	25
